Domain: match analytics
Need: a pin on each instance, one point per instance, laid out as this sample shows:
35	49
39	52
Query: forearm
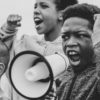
8	29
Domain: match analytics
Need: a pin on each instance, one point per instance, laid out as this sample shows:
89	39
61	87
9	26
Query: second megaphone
32	75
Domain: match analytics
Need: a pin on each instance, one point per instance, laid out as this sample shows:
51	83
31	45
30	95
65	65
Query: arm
6	88
9	29
13	22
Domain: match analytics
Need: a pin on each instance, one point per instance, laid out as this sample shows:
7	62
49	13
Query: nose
36	10
72	42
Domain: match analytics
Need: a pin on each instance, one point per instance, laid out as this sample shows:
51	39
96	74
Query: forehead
45	1
75	23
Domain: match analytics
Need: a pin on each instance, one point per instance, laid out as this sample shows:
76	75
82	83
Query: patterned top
51	47
82	86
39	45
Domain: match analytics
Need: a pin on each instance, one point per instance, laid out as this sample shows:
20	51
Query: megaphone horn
32	75
29	89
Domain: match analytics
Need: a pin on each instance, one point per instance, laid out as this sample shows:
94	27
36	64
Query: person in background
8	32
4	59
8	37
82	78
48	22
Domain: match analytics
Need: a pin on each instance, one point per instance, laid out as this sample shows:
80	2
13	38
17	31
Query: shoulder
4	81
64	77
5	86
34	37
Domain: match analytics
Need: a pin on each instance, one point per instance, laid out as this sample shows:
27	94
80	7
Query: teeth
72	53
36	19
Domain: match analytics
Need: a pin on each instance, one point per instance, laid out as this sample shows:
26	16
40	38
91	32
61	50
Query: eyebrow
44	3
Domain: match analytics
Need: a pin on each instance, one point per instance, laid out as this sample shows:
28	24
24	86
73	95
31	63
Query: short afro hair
84	10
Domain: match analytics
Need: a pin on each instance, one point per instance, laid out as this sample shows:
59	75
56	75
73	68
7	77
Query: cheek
50	17
87	49
51	21
64	46
86	43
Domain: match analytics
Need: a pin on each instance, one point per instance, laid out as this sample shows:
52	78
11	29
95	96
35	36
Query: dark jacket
83	86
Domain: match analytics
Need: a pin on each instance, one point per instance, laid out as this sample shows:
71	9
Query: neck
53	34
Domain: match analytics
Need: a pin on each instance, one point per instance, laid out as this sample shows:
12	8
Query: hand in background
13	21
9	29
96	29
28	43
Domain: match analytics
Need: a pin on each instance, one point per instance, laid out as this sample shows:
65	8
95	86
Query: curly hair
62	4
84	10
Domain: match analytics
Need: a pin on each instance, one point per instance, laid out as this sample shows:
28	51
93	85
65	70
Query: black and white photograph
50	50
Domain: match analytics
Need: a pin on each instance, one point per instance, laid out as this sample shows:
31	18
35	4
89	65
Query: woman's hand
28	43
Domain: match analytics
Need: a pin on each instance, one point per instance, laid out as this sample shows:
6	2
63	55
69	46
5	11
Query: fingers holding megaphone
32	75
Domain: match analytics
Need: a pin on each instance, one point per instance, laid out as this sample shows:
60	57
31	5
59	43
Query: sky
25	9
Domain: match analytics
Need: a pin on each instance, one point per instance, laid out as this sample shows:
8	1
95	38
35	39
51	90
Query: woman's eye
80	35
65	37
84	35
44	6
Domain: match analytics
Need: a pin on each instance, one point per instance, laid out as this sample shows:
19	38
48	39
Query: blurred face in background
45	16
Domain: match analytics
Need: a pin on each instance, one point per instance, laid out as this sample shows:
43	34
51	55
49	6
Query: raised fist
13	21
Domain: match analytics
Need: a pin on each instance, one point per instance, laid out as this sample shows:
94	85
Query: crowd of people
67	27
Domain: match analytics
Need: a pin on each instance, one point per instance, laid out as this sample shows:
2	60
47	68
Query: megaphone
32	74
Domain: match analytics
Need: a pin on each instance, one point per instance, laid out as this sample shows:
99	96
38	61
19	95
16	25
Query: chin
74	63
39	32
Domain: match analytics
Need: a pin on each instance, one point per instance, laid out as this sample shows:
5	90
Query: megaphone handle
66	63
37	61
45	80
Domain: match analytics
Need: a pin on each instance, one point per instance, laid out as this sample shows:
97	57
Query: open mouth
38	21
73	55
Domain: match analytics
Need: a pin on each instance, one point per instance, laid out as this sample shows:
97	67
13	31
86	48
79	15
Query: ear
60	15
